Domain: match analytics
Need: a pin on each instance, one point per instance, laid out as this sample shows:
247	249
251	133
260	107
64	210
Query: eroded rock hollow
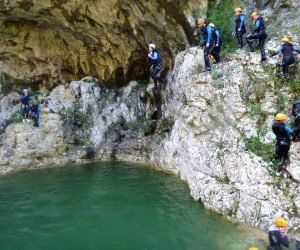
48	42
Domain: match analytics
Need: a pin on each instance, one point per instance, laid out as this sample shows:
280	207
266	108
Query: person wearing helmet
25	104
154	60
278	234
287	49
240	27
206	41
283	140
259	33
35	111
296	114
216	44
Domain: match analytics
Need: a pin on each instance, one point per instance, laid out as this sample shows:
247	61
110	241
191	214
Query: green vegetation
75	116
223	17
215	74
6	87
254	109
220	108
255	145
15	117
281	102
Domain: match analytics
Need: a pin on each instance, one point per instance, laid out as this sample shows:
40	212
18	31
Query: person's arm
23	97
209	32
296	49
290	132
218	37
279	49
284	240
257	25
153	55
242	18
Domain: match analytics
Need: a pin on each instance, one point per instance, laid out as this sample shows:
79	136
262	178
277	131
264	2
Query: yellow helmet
280	117
253	248
280	222
237	10
201	21
254	14
285	40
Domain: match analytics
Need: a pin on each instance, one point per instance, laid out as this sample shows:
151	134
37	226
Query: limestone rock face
25	146
47	42
212	120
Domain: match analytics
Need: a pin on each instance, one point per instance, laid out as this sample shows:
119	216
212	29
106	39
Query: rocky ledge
213	130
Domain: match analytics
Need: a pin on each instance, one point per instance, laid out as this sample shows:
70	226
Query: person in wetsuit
35	111
240	27
216	44
287	49
283	140
154	60
278	235
259	33
25	104
206	41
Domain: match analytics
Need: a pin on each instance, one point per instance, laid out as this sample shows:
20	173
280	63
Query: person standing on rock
278	234
206	41
240	27
259	33
283	140
216	44
154	60
35	110
287	49
296	114
25	104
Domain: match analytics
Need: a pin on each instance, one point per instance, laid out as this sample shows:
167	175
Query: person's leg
153	73
26	111
261	43
36	120
218	58
206	58
23	112
239	36
249	38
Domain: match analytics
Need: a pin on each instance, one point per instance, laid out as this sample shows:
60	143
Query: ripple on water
110	206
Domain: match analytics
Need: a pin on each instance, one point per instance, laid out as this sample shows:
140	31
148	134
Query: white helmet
211	25
25	90
151	45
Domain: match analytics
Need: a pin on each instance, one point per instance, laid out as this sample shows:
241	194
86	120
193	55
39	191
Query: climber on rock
240	27
216	44
25	104
287	49
35	111
154	60
206	41
278	234
259	33
283	140
296	114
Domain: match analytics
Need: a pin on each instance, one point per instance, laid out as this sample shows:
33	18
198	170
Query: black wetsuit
240	24
287	50
154	60
216	45
283	143
276	240
259	34
207	38
25	105
296	114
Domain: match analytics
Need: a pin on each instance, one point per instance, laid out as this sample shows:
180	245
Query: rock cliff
46	42
213	130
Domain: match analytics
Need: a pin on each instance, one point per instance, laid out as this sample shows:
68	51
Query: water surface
110	206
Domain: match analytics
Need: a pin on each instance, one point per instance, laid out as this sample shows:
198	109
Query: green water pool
110	206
